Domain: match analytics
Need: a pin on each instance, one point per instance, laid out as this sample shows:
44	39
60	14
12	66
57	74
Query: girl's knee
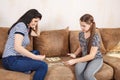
88	76
77	66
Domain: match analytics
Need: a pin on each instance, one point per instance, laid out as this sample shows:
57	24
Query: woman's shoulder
20	27
21	24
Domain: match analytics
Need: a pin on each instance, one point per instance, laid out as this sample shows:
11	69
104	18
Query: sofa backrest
60	42
74	40
3	38
52	42
110	37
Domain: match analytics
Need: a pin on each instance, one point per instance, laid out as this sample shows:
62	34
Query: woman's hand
40	57
72	55
35	33
71	62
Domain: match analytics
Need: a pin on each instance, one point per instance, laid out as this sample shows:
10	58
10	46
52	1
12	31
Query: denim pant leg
79	70
36	52
93	67
24	64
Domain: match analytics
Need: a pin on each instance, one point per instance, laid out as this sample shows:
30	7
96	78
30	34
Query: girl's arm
78	51
20	49
88	57
73	55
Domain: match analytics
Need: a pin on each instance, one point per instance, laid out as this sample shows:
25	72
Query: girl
16	57
91	58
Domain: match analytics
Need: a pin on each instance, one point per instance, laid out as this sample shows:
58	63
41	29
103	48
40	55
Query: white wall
58	14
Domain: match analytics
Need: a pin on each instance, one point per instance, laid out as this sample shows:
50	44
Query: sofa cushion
115	63
116	48
60	73
52	42
74	41
110	37
3	38
102	74
12	75
114	52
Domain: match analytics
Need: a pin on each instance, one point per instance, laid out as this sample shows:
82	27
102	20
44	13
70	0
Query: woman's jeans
25	64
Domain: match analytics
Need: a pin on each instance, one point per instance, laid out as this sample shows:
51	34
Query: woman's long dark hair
87	18
27	18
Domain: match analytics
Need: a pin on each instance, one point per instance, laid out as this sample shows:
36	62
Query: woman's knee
35	52
43	65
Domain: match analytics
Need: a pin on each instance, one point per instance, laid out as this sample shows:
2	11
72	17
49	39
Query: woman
91	58
16	57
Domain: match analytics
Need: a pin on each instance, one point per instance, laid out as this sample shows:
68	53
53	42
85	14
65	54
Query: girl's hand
71	62
72	55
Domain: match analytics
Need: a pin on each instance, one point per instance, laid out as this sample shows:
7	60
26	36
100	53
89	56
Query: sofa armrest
115	63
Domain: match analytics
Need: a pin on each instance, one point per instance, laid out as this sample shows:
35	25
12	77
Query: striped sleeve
20	28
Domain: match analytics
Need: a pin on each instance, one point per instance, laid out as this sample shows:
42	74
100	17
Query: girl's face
34	23
84	26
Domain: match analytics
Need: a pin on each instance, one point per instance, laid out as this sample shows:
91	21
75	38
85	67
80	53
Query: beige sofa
57	43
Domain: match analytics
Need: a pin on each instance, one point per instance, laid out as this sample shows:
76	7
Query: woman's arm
18	47
33	33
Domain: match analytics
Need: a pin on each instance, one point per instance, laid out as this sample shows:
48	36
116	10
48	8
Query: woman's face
84	26
34	23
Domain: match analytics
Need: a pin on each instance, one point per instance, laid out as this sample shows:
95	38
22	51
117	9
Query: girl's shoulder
96	34
96	37
81	33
